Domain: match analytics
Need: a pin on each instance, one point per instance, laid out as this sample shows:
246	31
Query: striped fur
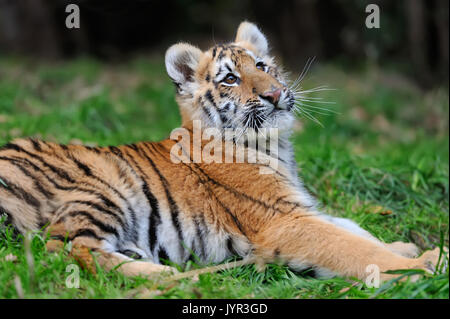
132	200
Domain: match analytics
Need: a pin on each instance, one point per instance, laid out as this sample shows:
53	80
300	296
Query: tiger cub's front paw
433	260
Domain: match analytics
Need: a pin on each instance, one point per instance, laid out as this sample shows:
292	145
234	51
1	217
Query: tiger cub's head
231	86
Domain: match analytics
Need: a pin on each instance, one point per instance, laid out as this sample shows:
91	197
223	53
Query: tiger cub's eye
230	78
260	66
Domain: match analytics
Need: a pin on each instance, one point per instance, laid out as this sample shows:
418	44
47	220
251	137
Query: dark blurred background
413	37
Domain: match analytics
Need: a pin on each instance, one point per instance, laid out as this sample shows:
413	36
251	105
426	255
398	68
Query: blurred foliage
413	34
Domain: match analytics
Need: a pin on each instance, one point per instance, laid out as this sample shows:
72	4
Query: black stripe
133	147
276	253
218	72
231	247
234	217
105	228
61	173
223	118
154	215
130	253
200	234
36	168
85	232
115	150
226	107
92	149
104	199
37	183
208	112
153	203
221	54
210	98
87	171
36	145
20	193
131	230
10	146
307	272
172	205
155	218
48	194
99	208
162	254
16	160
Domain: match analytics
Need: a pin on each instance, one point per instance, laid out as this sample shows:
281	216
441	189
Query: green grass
382	161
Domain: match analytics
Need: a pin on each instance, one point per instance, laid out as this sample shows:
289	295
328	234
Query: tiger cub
133	206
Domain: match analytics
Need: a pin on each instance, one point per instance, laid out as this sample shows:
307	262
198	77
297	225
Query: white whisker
312	101
308	115
300	104
296	83
317	89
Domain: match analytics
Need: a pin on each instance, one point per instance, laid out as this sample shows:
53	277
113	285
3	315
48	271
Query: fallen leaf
379	210
380	123
359	114
11	257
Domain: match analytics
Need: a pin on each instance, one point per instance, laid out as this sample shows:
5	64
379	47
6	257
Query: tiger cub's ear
248	32
181	62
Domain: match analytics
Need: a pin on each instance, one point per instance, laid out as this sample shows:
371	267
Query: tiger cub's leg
302	240
86	253
404	249
91	243
116	261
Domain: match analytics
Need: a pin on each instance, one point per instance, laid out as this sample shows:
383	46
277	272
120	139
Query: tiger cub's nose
272	96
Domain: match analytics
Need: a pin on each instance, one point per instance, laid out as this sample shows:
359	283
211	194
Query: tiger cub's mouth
256	117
